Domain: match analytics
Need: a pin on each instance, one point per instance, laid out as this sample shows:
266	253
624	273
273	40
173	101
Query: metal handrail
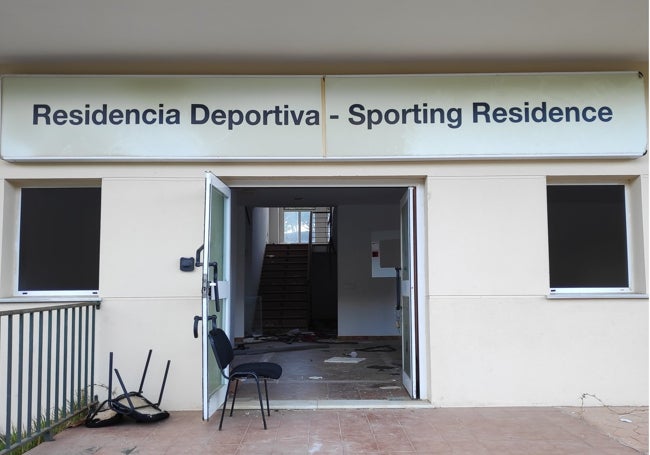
319	229
49	358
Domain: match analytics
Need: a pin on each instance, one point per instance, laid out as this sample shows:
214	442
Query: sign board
479	116
186	118
160	118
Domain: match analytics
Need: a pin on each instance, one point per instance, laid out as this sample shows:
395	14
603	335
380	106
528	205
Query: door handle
398	290
197	260
212	318
196	325
213	294
214	288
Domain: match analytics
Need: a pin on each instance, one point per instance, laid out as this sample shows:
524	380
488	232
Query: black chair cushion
267	370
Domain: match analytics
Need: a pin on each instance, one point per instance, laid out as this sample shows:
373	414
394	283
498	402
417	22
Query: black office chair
224	354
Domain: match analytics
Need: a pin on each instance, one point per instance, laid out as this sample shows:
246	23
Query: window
296	225
301	223
59	240
588	238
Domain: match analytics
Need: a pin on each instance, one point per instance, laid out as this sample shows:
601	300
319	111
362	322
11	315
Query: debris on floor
382	348
381	367
344	360
293	340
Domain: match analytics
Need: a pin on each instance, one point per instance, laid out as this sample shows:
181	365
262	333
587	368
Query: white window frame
46	293
605	291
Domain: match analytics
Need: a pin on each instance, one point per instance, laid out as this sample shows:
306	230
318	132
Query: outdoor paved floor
405	430
341	408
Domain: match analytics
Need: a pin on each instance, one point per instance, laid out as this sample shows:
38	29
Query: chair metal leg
234	396
225	402
266	391
259	394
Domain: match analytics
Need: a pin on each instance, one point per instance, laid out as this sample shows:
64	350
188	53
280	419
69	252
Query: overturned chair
224	354
131	404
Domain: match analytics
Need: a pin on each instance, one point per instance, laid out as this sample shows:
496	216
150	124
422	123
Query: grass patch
40	432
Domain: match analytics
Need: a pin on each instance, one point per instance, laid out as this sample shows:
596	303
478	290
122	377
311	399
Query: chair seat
267	370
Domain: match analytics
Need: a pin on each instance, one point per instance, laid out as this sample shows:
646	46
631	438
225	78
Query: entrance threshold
336	404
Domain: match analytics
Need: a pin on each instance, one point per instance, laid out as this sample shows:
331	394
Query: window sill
52	299
611	295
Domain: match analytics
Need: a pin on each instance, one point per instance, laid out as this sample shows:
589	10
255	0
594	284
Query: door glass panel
406	339
405	239
216	231
407	293
215	263
215	286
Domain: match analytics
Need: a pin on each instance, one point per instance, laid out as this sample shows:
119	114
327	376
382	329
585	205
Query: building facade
512	196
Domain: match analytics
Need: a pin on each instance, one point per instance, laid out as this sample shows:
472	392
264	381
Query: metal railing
48	354
320	226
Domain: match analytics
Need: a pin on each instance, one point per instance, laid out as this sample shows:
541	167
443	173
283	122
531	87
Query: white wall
530	351
487	236
366	305
147	302
491	336
495	338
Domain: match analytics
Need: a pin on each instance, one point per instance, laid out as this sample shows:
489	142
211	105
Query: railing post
64	406
48	399
92	358
57	364
39	374
87	314
10	340
30	374
19	405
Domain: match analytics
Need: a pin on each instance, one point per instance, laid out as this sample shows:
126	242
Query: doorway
349	344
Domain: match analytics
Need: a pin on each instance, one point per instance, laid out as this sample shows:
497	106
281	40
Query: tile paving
469	431
322	408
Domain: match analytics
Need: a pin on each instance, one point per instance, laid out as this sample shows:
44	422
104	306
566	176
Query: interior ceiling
335	31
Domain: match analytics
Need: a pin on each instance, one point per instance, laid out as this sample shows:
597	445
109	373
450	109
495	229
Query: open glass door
215	288
407	293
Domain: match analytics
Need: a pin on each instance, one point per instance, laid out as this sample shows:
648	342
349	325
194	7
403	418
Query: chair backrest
221	347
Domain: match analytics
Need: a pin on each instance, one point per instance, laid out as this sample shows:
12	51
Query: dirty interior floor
327	369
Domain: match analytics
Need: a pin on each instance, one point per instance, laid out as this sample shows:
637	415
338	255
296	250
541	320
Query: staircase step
284	288
280	300
277	286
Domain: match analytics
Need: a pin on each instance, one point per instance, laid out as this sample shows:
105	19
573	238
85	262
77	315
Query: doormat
344	360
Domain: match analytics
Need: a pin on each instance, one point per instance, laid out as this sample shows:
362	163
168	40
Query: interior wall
324	290
275	231
259	237
366	305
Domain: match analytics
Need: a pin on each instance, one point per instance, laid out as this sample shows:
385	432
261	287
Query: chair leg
259	394
225	402
234	396
266	391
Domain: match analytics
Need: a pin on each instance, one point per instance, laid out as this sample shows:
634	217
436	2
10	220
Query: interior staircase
284	289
